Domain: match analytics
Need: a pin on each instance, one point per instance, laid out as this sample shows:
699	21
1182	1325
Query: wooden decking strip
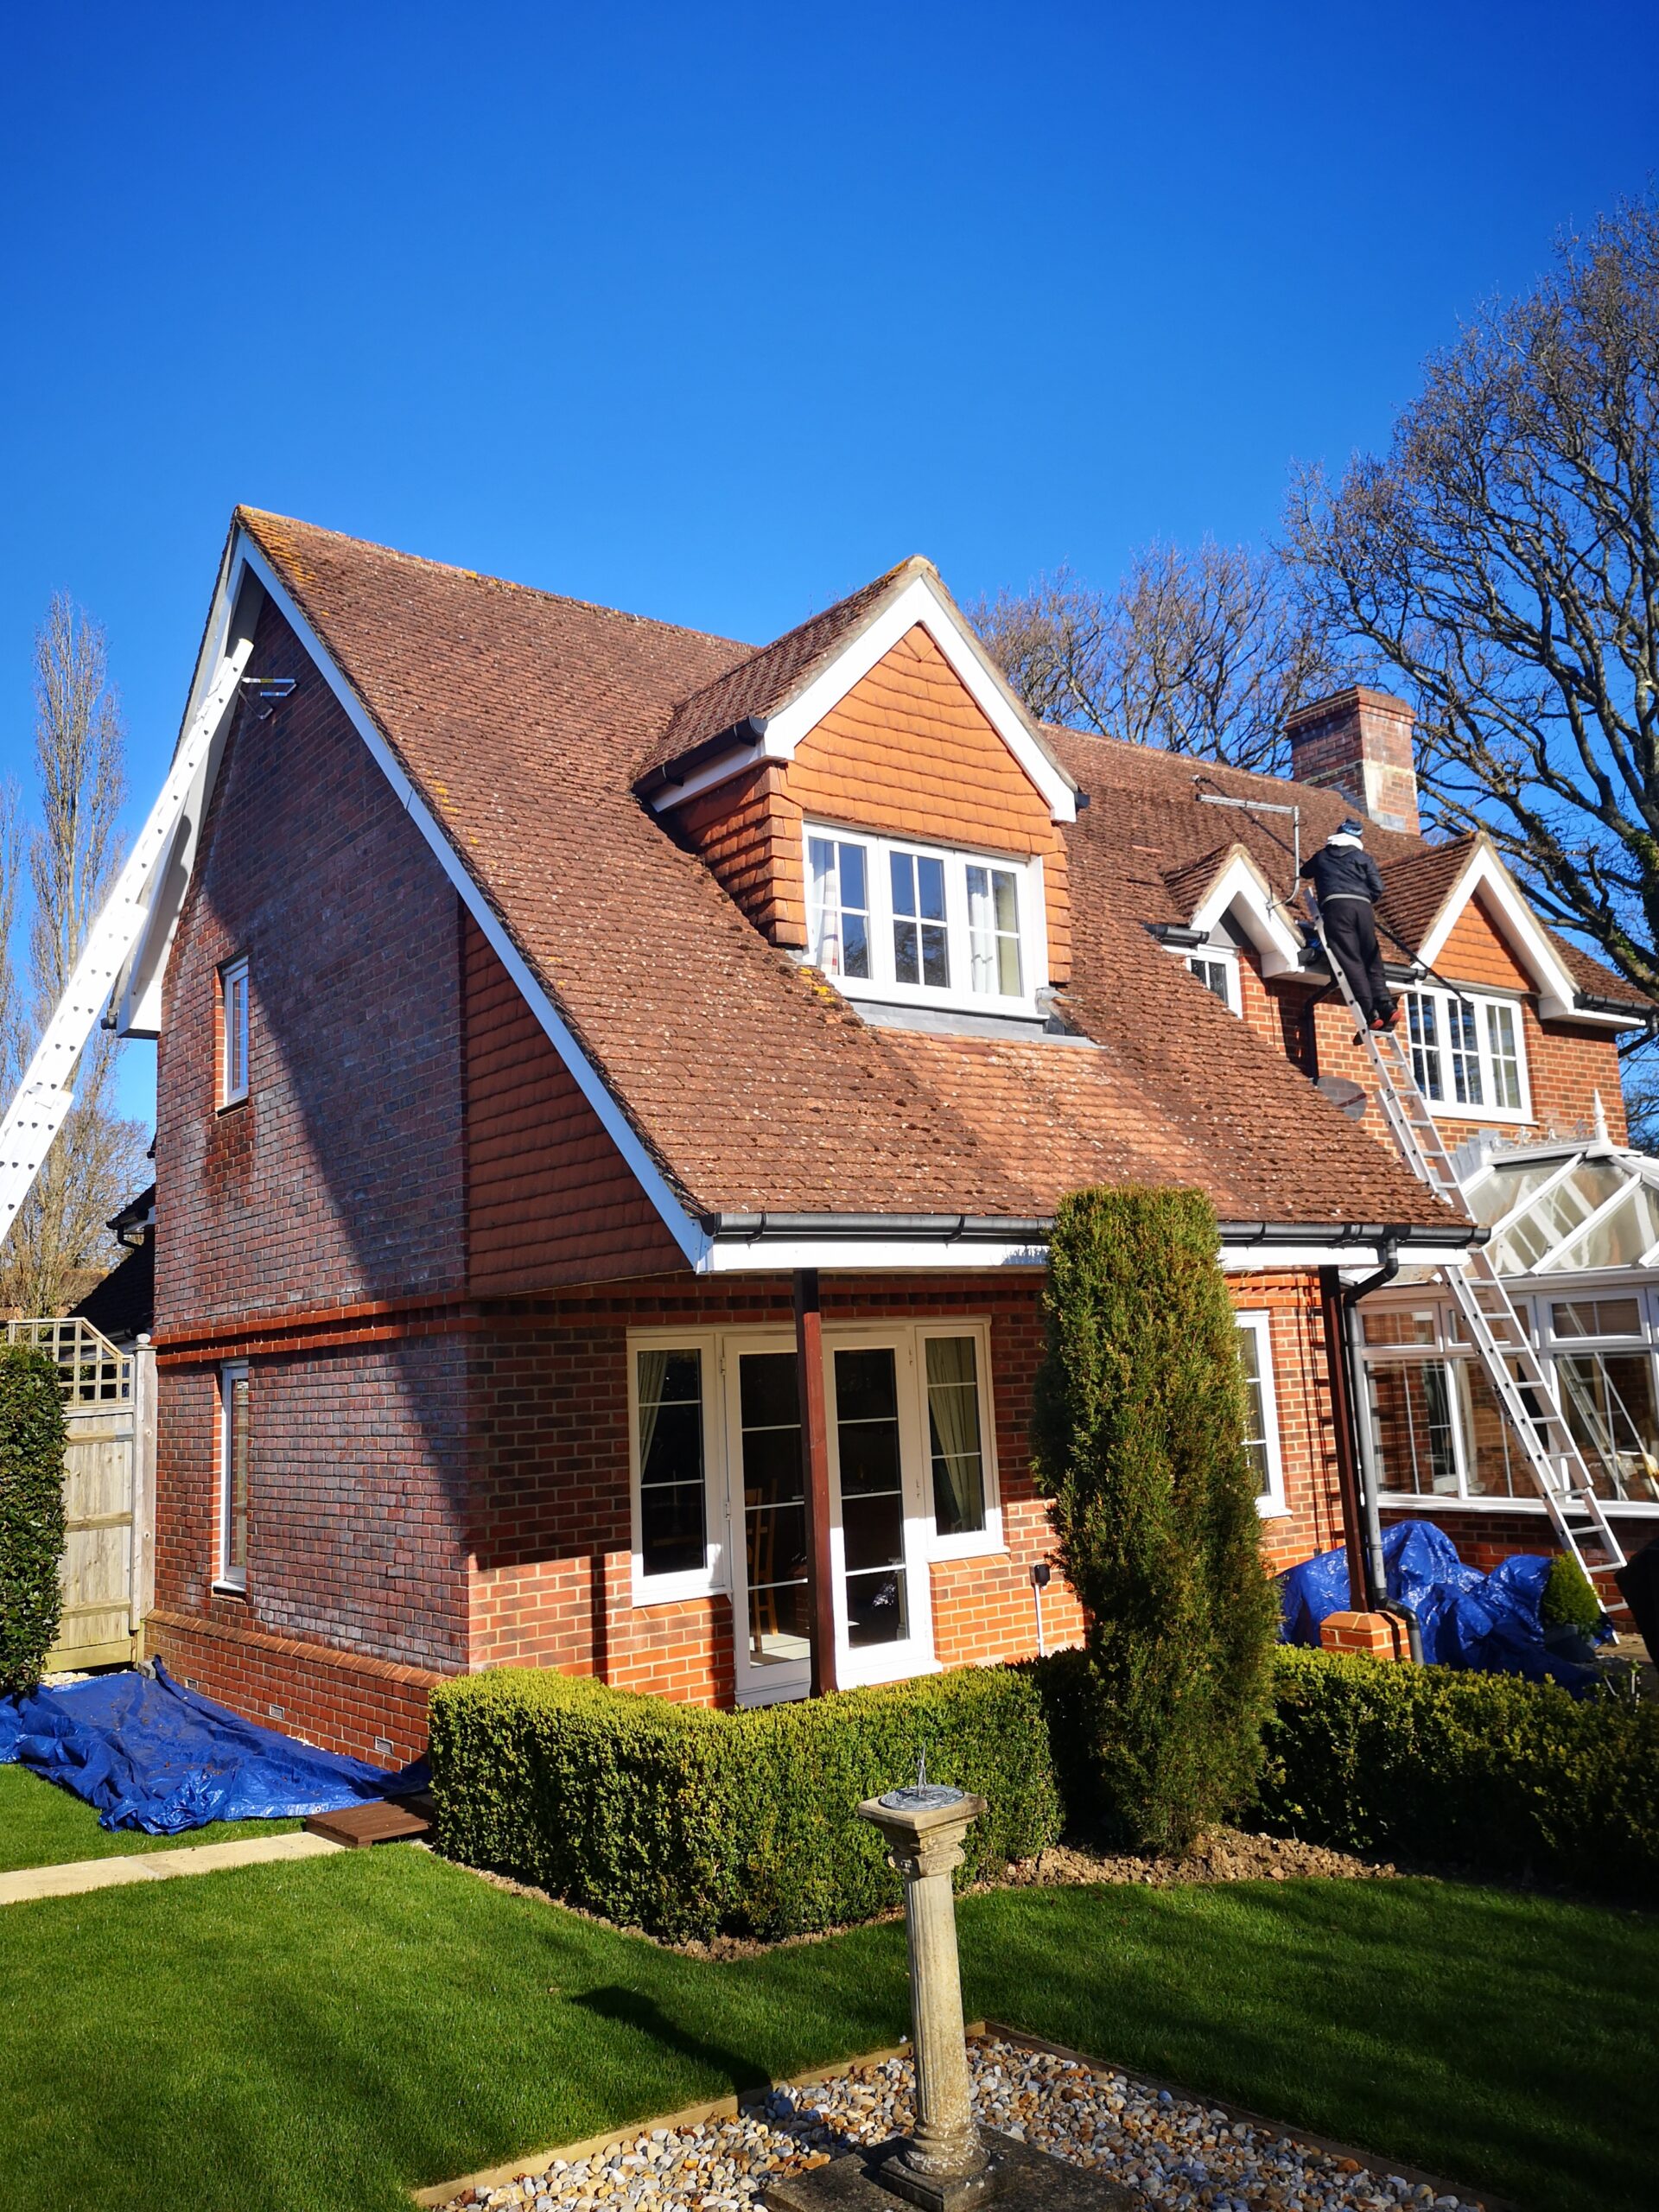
77	1876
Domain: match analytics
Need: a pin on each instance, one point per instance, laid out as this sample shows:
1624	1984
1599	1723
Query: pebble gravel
1176	2151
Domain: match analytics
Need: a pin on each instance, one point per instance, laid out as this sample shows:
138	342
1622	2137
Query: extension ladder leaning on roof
1496	1329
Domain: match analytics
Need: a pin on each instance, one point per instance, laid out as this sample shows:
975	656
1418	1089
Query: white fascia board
686	1233
867	1256
720	770
919	603
1258	1259
1486	872
1241	883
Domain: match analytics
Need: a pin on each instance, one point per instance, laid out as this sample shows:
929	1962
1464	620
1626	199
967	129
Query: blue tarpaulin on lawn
153	1755
1468	1618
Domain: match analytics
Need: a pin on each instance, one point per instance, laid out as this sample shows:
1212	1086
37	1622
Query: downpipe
1377	1600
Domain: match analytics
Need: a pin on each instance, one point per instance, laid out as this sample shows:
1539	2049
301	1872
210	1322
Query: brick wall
335	1189
340	1176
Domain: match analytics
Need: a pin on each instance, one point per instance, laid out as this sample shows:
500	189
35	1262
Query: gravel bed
1177	2151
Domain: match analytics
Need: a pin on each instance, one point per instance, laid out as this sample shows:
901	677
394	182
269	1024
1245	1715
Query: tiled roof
522	720
1150	800
768	678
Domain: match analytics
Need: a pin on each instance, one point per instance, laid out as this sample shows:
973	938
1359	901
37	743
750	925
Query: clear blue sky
712	313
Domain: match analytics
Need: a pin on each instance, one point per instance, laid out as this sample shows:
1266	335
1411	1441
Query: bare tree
1504	557
58	1244
1203	652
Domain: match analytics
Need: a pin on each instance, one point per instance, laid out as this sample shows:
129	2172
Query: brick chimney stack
1358	742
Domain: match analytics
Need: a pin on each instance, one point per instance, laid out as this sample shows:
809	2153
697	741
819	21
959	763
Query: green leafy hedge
1485	1772
686	1822
1569	1599
31	1513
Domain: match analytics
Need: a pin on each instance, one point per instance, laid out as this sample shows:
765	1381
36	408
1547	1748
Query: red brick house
614	1085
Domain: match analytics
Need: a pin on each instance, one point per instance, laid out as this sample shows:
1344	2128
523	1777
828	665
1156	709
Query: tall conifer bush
31	1513
1139	1439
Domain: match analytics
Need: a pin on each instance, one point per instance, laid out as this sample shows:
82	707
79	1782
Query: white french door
880	1517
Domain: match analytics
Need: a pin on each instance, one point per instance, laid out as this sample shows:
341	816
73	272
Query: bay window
894	918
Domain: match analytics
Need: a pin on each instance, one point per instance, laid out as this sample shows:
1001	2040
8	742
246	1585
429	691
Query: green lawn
325	2034
43	1826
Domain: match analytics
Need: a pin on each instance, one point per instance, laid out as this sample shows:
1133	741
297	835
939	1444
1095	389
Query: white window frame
1225	959
234	1027
1272	1503
1482	1003
688	1582
882	983
234	1580
973	1543
720	1349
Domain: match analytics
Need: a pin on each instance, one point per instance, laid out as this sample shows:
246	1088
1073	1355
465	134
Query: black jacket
1342	872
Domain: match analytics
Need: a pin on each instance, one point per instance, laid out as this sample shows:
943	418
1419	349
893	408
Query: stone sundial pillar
942	2166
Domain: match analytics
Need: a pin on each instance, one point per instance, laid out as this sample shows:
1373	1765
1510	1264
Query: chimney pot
1359	742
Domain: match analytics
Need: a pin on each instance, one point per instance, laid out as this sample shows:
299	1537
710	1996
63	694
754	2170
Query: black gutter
684	765
1590	1002
1377	1576
1002	1229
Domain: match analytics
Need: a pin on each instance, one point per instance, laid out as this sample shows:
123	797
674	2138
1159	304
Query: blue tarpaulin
153	1755
1468	1618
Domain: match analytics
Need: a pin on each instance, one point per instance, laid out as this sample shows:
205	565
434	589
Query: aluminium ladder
43	1097
1496	1329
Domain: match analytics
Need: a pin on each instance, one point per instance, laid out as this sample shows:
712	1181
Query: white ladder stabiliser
1498	1334
43	1099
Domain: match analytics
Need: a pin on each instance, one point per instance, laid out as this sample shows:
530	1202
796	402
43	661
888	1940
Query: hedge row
31	1513
1483	1771
689	1822
686	1822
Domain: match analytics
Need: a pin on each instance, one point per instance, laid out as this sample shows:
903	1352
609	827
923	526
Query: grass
43	1826
331	2033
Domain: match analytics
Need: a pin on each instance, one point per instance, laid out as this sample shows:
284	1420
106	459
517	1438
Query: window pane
872	1496
839	907
1608	1399
1495	1467
1255	1415
673	1529
1596	1316
1505	1058
1411	1427
1423	1020
236	1449
994	932
1464	1033
953	1435
920	953
1397	1328
774	1510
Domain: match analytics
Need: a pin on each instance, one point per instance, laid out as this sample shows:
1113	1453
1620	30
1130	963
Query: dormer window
891	919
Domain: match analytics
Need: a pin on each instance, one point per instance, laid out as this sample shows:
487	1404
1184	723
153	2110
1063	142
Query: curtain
653	1370
953	1420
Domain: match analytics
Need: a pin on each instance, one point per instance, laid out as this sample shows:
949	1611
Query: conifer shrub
1138	1438
31	1514
689	1822
1569	1599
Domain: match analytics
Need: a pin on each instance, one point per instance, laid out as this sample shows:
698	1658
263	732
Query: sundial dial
920	1795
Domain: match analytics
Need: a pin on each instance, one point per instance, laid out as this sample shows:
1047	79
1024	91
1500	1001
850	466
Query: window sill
944	1551
1272	1509
229	1590
230	1105
674	1590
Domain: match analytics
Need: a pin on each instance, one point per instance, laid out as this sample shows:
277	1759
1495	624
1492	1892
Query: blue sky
713	313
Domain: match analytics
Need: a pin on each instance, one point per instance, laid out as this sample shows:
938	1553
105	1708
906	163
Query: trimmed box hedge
31	1514
1483	1771
689	1822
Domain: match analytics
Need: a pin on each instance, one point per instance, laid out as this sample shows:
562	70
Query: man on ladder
1347	886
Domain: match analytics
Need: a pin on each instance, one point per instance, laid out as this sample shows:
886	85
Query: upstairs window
233	1032
1218	972
891	919
1466	1051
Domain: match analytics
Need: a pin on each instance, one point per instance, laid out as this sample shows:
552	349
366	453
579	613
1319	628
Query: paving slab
79	1875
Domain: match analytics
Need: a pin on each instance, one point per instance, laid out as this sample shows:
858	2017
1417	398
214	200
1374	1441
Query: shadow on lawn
630	2008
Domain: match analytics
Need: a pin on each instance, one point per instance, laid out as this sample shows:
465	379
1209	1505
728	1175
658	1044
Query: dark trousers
1350	932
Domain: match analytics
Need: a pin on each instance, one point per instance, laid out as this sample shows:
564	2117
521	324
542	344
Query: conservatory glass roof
1564	1207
